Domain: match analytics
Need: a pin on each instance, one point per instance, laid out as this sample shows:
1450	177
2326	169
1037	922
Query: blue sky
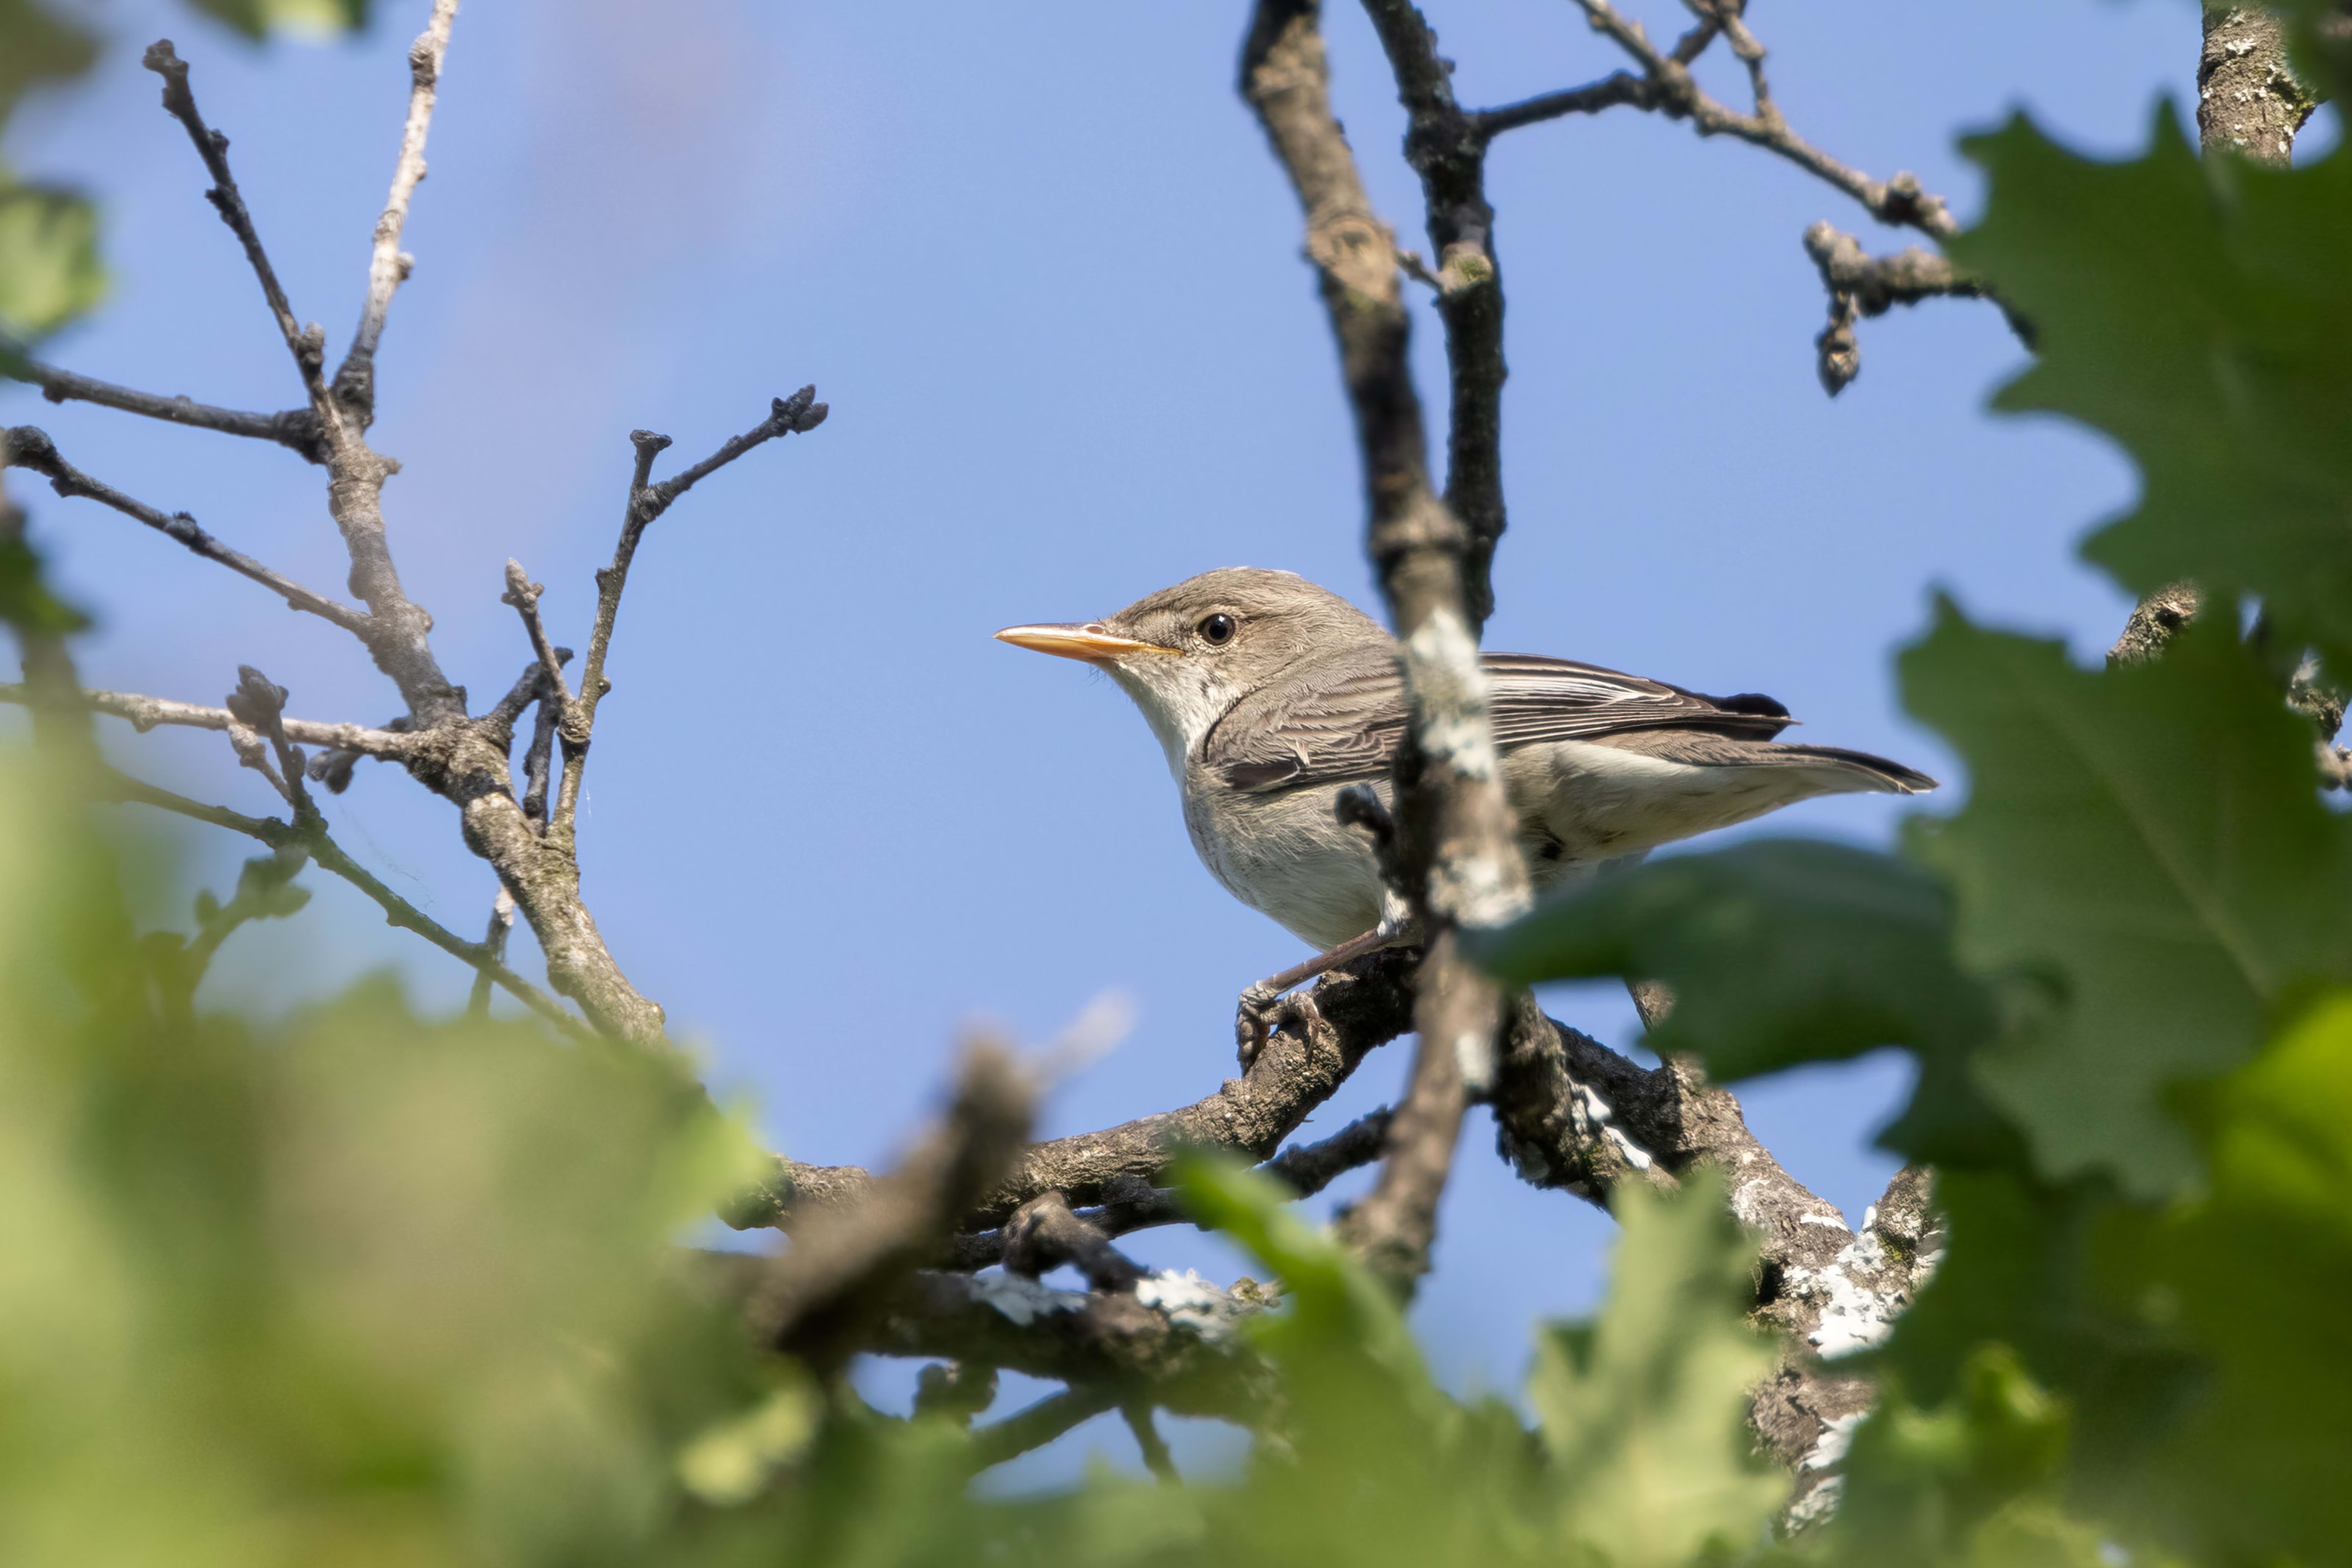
1040	264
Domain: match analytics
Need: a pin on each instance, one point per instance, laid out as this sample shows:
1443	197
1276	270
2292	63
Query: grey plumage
1269	695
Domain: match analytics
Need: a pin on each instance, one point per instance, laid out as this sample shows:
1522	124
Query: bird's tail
1864	772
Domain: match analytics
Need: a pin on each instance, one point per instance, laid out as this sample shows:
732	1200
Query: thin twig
26	447
118	786
145	712
1673	91
295	428
1039	1424
799	413
523	594
388	266
494	942
1156	1458
306	345
1860	284
258	704
1616	88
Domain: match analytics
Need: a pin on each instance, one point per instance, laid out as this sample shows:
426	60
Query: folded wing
1345	727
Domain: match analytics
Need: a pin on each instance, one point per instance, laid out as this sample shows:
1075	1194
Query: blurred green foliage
355	1286
2121	966
50	269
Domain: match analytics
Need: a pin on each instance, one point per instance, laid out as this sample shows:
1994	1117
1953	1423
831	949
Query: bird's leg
1264	1005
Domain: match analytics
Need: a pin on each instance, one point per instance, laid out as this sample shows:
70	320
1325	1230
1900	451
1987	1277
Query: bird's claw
1262	1009
1254	1020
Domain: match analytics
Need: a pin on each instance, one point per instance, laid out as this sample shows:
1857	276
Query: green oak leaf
1644	1410
37	46
2195	311
1783	951
2262	1270
49	267
2147	844
259	18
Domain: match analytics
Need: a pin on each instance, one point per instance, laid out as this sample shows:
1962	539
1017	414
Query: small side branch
306	345
1040	1424
1617	87
145	712
1365	1007
26	447
115	786
1673	91
816	1298
799	413
388	265
295	428
1860	285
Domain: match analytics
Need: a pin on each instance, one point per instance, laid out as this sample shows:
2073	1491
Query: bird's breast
1285	855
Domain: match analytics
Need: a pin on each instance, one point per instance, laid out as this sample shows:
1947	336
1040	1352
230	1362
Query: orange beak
1070	640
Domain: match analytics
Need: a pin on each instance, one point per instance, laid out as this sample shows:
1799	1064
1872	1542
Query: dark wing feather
1344	725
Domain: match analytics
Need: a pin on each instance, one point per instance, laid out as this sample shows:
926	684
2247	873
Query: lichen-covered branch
2248	96
1456	834
1572	1113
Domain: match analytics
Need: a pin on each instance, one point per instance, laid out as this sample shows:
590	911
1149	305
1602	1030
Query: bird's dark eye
1217	630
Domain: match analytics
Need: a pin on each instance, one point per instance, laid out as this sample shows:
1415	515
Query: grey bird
1270	695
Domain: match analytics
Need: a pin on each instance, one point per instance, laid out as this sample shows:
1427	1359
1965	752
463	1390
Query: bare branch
259	705
26	447
306	345
523	594
1572	1113
1365	1005
1860	284
1675	93
295	428
494	942
1171	1341
847	1262
1457	831
1616	88
115	786
1156	1457
1040	1424
1043	1234
388	266
799	413
1447	149
145	712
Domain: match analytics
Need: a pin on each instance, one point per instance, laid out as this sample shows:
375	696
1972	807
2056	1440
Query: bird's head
1187	654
